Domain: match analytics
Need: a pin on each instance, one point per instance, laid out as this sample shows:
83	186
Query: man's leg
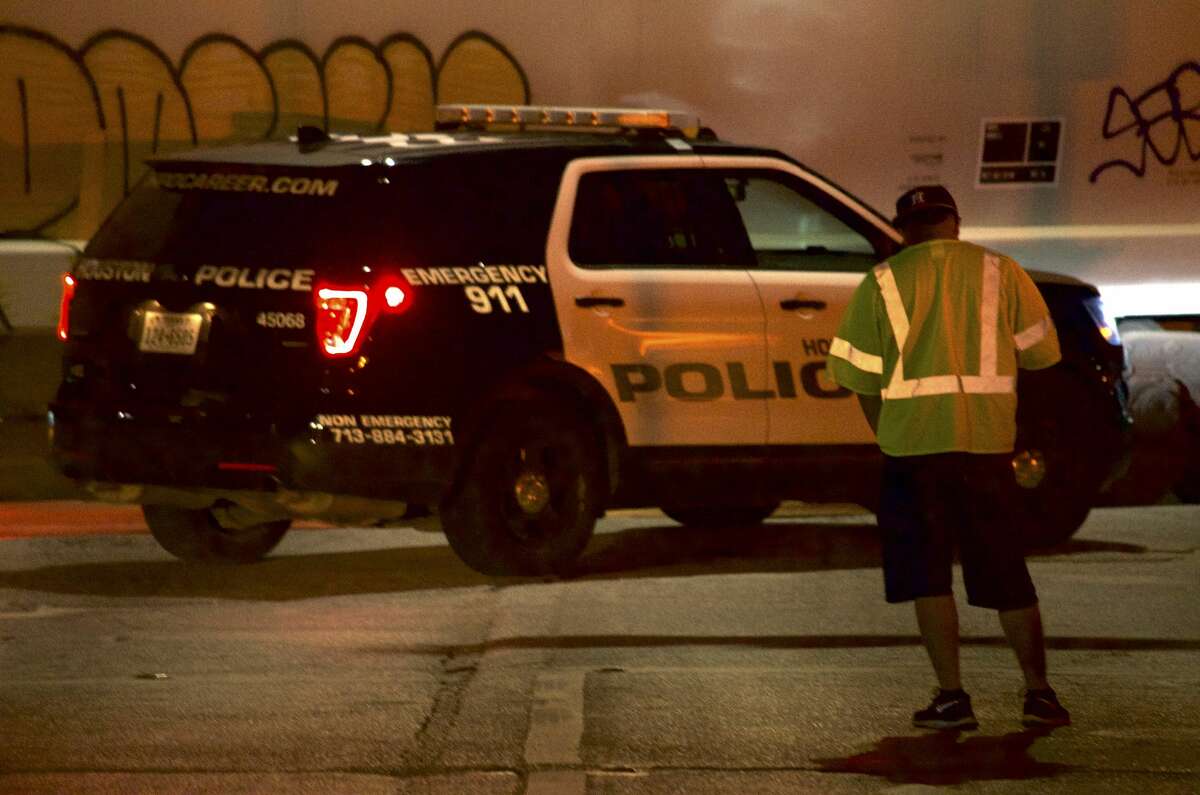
937	618
1023	629
996	576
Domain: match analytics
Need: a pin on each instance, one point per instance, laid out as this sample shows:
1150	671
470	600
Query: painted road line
555	733
557	782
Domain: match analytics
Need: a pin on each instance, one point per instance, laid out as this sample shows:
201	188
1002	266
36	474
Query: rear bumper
190	449
179	448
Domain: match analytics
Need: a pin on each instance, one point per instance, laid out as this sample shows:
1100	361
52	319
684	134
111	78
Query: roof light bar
554	116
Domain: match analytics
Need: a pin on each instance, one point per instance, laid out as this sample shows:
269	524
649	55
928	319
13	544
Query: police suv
518	321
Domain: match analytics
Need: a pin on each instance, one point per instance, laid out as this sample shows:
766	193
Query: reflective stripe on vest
1032	335
867	362
987	382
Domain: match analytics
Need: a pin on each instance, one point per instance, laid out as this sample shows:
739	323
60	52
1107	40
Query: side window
669	218
788	230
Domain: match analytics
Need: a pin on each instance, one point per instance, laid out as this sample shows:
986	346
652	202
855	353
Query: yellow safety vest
938	332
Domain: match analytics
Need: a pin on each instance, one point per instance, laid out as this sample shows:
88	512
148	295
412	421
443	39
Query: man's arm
1034	334
870	405
855	360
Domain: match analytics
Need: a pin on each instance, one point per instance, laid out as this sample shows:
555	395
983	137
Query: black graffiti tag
1160	107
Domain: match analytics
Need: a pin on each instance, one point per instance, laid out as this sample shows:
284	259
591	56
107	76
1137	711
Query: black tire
1068	432
541	456
195	535
721	515
1188	487
1188	491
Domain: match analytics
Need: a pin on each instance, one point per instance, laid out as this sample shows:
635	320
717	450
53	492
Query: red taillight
394	296
64	308
245	466
341	316
345	314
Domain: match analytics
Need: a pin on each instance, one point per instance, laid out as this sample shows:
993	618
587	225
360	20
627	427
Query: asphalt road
371	660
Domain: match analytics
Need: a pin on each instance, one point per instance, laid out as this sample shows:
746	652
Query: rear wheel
1066	441
721	515
1188	487
196	535
527	502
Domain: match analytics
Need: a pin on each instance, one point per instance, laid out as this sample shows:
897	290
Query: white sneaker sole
962	723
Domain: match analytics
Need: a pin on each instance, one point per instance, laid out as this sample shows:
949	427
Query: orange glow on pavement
81	518
66	518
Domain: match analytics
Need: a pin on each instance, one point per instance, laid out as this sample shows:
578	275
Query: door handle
589	301
791	304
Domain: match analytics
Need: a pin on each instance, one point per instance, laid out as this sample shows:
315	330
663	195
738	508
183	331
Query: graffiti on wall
76	124
1159	118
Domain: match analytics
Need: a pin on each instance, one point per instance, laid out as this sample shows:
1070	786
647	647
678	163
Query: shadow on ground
633	641
661	551
671	551
944	758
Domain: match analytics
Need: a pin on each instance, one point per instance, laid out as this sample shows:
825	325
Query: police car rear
194	329
301	328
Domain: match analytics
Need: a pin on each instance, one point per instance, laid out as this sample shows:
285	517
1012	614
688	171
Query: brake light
394	296
345	314
341	315
64	308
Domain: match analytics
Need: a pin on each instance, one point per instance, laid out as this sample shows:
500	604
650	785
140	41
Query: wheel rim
548	488
1029	468
532	491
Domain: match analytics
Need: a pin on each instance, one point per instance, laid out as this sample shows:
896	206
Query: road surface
372	660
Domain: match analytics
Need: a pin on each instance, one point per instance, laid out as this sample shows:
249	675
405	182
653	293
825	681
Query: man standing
931	343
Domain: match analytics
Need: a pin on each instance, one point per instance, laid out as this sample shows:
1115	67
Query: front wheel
721	515
1067	440
528	501
196	535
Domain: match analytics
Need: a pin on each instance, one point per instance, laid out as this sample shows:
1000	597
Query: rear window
447	211
192	225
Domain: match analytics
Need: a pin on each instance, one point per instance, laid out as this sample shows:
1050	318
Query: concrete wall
879	94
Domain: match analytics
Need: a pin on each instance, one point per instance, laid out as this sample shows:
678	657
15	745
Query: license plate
170	332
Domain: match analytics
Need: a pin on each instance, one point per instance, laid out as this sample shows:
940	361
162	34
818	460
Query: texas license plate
170	332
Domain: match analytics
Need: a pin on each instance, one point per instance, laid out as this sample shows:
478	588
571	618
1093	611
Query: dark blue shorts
932	504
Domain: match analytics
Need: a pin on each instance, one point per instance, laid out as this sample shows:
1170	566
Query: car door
647	263
813	244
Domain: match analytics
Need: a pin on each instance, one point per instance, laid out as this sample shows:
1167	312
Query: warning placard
1020	152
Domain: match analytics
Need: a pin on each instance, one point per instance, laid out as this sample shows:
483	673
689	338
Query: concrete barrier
1164	387
30	366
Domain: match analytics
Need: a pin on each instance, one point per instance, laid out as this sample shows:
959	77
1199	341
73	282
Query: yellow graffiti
296	73
77	125
477	69
356	82
413	84
231	94
145	109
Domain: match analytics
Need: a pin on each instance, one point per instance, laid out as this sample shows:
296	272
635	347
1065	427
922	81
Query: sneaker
1042	709
947	711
